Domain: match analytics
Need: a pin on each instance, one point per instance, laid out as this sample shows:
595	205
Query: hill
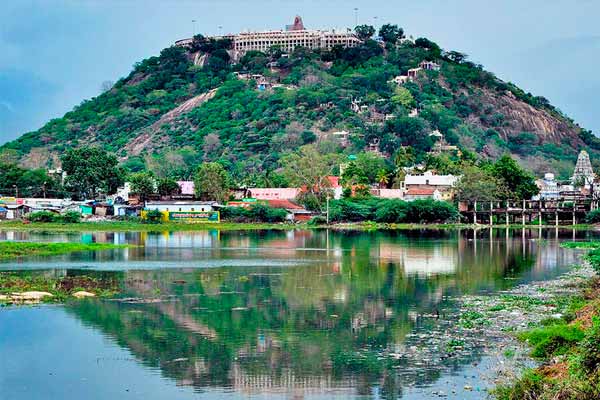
193	103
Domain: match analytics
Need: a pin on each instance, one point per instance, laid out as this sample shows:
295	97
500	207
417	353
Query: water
266	314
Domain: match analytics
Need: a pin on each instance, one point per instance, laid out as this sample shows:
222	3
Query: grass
569	347
11	250
60	287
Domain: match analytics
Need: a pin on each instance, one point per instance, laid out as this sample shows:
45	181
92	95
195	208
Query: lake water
267	314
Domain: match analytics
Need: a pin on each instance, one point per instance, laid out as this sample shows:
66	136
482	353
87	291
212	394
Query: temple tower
583	175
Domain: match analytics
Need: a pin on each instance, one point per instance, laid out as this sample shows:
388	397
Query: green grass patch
11	250
552	340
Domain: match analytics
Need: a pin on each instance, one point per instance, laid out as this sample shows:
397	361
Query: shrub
42	216
317	220
393	211
256	213
70	217
589	347
552	340
529	386
153	217
593	217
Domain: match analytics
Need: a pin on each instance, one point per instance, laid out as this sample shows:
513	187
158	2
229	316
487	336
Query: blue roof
2	209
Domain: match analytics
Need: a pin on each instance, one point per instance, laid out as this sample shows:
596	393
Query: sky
55	54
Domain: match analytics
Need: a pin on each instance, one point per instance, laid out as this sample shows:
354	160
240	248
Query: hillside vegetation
187	106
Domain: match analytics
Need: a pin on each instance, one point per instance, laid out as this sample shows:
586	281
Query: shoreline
126	226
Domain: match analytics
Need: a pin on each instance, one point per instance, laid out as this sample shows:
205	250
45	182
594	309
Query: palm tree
383	178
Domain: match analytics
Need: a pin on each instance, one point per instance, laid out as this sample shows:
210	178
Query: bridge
562	211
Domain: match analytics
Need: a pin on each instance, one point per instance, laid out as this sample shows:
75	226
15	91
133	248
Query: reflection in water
317	311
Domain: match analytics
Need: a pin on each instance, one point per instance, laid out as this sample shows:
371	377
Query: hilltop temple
295	35
583	175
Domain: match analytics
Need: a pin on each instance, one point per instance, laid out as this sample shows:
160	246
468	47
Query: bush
552	340
317	220
42	216
256	213
70	217
593	217
153	217
589	347
392	211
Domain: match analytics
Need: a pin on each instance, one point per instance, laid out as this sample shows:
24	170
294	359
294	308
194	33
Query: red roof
286	204
334	181
420	192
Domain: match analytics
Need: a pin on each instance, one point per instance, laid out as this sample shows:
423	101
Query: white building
287	40
181	206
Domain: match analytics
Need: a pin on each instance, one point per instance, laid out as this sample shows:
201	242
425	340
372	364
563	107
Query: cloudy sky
54	54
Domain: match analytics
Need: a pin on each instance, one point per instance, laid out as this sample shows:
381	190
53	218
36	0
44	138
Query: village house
295	212
188	211
429	66
413	72
427	184
422	194
273	193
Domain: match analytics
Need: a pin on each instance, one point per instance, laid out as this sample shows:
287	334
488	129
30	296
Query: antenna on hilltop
193	27
355	16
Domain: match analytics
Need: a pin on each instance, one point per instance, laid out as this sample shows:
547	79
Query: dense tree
309	169
28	182
143	184
168	187
366	169
364	32
91	171
520	182
391	33
212	182
481	185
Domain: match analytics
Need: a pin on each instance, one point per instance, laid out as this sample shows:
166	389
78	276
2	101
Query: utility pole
44	189
355	17
327	202
193	27
16	191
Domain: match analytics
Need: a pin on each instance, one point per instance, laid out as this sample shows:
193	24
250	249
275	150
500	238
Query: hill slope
186	106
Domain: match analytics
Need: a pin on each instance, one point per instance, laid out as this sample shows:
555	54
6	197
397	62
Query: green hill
193	104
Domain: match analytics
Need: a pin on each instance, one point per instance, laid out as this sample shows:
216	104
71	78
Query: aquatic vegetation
13	284
10	250
552	340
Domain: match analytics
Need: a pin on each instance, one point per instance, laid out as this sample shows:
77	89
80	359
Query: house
388	193
295	211
181	206
430	182
273	193
184	211
399	80
422	194
125	210
342	136
14	211
429	66
186	187
334	184
413	72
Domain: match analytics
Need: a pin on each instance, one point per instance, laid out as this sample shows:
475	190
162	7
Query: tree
143	184
403	97
364	170
168	187
391	33
309	170
212	182
519	181
364	32
91	170
456	56
478	184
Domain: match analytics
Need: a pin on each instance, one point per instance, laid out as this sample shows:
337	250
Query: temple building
295	35
583	175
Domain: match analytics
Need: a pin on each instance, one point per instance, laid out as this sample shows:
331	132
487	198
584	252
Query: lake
300	314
